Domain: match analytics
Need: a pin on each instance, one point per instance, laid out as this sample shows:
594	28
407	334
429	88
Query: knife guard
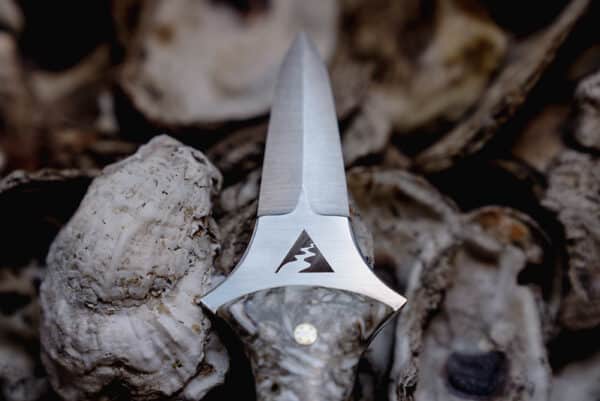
267	322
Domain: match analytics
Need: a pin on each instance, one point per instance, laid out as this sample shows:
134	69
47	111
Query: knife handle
304	343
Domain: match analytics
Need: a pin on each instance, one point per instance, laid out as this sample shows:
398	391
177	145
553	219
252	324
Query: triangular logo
305	257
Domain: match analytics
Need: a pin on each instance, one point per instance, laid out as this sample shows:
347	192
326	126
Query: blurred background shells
470	132
177	74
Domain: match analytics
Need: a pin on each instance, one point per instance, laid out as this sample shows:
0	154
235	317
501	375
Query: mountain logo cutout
305	257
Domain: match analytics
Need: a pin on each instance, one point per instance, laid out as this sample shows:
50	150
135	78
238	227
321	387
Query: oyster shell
440	67
526	62
18	373
472	331
19	310
579	381
587	131
410	220
20	379
205	62
19	139
119	301
542	139
574	195
34	135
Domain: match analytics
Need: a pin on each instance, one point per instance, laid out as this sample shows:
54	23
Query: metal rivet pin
305	334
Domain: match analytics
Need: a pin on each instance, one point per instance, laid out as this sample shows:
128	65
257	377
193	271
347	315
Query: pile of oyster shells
471	137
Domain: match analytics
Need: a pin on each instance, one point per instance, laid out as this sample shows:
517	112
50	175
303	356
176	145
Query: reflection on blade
303	153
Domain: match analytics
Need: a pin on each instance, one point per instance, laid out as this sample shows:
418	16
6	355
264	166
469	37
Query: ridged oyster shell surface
119	300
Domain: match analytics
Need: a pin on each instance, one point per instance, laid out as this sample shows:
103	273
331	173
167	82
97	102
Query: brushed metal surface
303	151
303	190
274	236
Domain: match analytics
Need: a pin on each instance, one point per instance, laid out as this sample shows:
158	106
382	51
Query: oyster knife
302	299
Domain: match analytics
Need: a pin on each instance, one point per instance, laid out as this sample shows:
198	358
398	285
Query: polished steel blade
303	153
303	235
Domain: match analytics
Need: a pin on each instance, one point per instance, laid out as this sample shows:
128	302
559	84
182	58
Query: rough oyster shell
410	220
202	62
18	373
471	331
574	195
119	298
440	67
19	313
525	64
587	132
